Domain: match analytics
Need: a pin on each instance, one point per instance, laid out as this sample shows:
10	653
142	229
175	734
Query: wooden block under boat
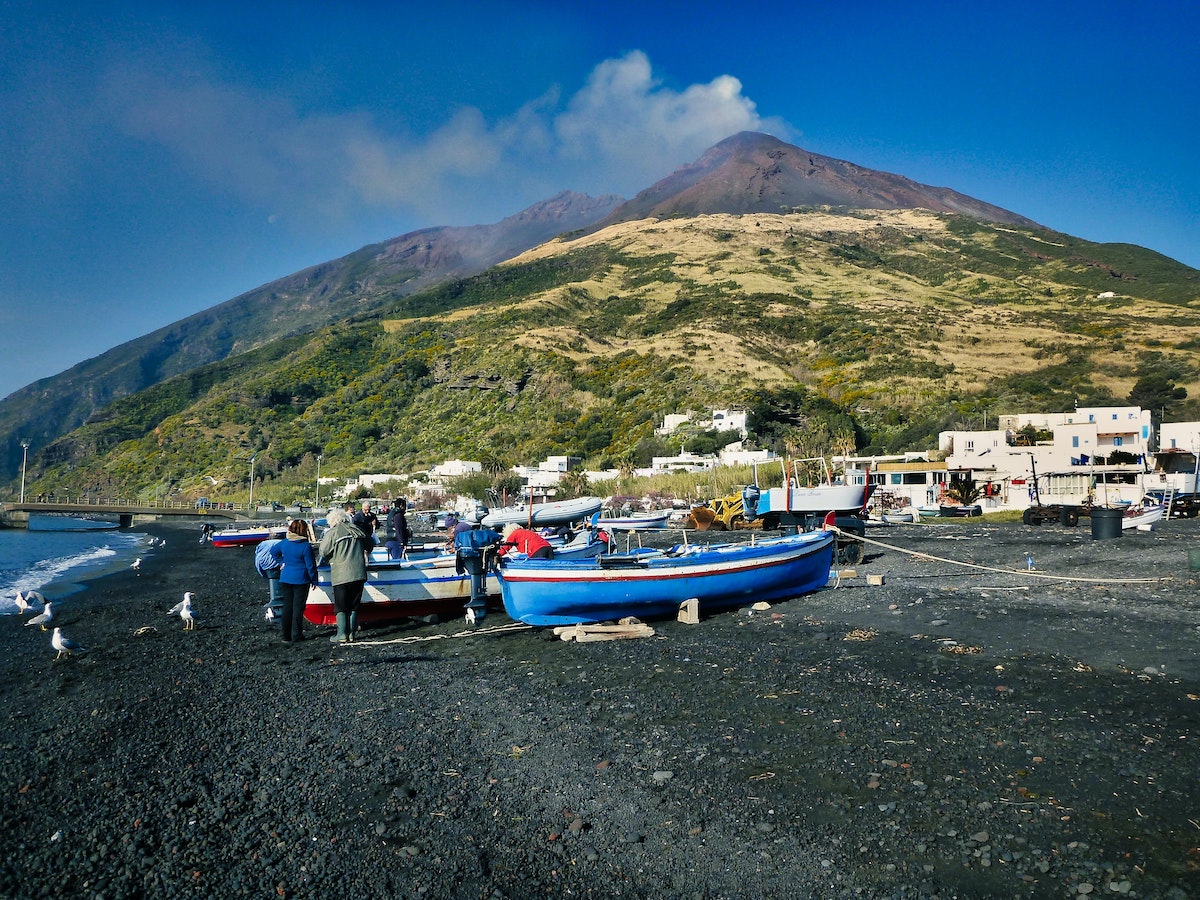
584	633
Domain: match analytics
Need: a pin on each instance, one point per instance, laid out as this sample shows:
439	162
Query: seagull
43	617
25	601
136	564
184	609
270	613
64	645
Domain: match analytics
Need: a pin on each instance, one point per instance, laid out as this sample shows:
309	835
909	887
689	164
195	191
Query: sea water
58	554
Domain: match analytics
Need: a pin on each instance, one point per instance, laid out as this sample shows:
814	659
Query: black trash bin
1106	523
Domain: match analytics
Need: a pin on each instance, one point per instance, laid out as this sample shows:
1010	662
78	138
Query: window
1118	441
1074	440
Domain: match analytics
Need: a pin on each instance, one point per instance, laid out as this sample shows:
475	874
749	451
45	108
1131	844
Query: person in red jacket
525	541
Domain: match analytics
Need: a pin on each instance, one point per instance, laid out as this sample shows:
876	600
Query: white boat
638	521
808	492
401	588
552	512
1142	516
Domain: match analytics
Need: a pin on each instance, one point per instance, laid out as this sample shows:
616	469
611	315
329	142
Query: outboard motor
474	554
750	495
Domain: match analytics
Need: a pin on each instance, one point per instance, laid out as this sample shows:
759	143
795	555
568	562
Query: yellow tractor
720	514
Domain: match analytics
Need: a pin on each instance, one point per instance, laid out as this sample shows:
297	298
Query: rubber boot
352	634
340	637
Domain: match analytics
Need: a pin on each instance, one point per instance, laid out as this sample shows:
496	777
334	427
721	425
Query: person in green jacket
344	546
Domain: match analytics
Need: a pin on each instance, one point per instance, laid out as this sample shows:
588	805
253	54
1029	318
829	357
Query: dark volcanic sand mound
952	732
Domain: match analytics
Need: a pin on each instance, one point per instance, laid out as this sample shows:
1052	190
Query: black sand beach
952	732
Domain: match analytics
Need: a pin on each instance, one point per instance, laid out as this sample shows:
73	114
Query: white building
1179	436
734	455
1091	430
454	468
718	420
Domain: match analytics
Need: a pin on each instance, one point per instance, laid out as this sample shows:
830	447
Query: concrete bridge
16	515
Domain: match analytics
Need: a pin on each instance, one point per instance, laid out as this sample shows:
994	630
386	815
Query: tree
1157	393
492	463
575	484
510	486
964	491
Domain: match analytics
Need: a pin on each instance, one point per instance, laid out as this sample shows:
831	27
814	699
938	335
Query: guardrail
122	501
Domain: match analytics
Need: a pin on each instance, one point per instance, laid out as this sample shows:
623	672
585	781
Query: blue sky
157	158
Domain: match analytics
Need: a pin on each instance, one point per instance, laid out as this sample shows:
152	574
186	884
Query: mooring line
416	639
1026	572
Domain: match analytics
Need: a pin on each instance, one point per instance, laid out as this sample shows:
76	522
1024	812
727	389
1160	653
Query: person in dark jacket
297	577
400	533
367	522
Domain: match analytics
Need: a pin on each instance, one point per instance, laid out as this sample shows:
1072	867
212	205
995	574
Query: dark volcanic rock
1041	741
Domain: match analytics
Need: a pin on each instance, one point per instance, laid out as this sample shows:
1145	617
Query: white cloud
619	133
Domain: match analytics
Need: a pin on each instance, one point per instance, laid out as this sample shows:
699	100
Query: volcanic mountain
745	174
756	173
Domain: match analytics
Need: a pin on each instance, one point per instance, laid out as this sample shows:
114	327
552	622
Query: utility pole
250	505
24	459
317	495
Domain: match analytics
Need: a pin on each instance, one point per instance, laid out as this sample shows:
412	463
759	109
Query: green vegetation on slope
836	332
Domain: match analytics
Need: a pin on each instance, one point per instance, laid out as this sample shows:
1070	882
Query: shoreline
838	745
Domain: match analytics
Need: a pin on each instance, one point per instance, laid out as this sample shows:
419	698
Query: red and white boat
246	535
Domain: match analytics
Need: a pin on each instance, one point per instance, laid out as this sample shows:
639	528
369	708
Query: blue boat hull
648	585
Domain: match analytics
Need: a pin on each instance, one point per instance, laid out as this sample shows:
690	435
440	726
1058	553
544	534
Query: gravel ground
951	732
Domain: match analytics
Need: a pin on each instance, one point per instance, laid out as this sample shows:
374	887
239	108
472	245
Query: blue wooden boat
654	583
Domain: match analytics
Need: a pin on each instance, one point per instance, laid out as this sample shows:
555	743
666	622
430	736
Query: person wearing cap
526	541
400	533
466	523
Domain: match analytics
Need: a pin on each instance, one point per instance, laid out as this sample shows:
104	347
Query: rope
474	632
916	554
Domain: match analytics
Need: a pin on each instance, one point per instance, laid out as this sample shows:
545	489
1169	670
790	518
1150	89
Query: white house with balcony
718	420
1072	467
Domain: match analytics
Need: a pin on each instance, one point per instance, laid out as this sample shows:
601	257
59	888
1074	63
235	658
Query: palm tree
492	464
965	491
575	484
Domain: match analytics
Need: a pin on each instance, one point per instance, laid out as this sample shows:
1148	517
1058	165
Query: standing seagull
184	609
43	617
25	601
136	564
64	645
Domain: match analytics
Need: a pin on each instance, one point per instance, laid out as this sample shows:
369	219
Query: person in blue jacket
268	560
297	577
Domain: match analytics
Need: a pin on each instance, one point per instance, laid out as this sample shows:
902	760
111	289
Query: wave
45	571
